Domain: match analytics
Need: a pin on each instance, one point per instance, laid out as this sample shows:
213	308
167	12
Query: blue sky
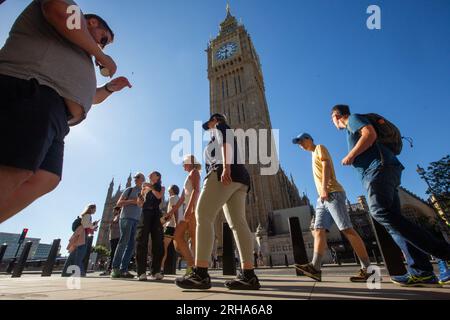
315	53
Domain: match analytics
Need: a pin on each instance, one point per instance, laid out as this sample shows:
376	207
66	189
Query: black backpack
76	223
388	134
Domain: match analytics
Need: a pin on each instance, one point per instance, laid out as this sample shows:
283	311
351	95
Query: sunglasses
104	41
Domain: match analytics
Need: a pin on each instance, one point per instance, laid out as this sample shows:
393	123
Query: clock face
226	51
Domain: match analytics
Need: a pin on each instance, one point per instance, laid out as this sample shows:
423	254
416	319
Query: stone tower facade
107	215
237	90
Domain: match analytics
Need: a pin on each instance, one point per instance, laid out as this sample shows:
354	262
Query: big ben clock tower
237	90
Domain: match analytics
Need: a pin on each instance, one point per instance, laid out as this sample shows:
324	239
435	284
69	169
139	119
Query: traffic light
23	235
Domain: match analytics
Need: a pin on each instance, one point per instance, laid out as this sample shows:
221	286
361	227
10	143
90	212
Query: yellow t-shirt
321	154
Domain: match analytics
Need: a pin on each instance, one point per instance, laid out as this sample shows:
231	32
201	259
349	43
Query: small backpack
76	223
388	134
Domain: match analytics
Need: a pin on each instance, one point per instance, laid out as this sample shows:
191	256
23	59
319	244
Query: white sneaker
157	277
143	277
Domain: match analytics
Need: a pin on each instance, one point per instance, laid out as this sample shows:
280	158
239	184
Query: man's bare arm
368	138
55	12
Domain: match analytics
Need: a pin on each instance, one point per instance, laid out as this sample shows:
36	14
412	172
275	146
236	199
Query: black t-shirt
152	202
213	155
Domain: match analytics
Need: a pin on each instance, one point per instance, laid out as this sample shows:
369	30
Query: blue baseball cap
302	137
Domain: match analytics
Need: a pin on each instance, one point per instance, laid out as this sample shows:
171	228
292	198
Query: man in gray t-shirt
47	83
129	218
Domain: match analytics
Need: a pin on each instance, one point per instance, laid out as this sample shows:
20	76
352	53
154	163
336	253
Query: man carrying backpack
129	218
373	143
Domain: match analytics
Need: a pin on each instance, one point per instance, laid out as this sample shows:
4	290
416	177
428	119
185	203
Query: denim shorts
333	211
33	125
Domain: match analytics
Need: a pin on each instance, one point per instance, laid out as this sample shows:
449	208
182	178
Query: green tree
101	250
438	177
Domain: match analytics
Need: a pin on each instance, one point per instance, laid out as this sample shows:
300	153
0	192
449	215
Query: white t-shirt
179	216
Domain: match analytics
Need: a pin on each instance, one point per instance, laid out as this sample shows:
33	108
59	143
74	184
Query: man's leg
121	246
113	246
129	238
385	207
323	222
37	185
358	245
10	180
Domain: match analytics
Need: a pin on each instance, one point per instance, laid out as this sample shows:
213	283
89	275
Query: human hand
118	84
226	176
348	160
107	62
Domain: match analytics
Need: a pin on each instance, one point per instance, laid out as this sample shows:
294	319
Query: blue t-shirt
131	211
371	158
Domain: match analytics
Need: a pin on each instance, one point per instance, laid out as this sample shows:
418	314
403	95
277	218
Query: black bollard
270	262
286	261
18	268
229	263
375	256
255	260
170	266
48	267
3	248
179	263
391	253
298	245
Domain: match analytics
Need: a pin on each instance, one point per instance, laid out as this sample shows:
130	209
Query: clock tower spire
237	90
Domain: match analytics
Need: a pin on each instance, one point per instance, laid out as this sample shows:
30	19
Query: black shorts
169	232
33	125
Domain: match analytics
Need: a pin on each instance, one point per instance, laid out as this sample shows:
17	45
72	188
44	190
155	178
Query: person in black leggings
149	200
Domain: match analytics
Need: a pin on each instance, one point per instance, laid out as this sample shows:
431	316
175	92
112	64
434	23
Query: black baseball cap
214	116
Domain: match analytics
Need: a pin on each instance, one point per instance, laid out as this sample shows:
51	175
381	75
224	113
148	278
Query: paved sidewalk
276	284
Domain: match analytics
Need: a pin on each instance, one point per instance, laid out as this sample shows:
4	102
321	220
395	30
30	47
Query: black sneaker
242	283
309	271
127	275
194	282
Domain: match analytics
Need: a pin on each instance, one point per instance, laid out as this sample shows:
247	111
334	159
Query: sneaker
309	271
242	283
127	275
157	277
142	277
115	274
409	280
362	276
105	273
444	272
194	282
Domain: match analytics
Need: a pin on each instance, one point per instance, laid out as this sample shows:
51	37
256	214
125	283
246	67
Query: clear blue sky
314	53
